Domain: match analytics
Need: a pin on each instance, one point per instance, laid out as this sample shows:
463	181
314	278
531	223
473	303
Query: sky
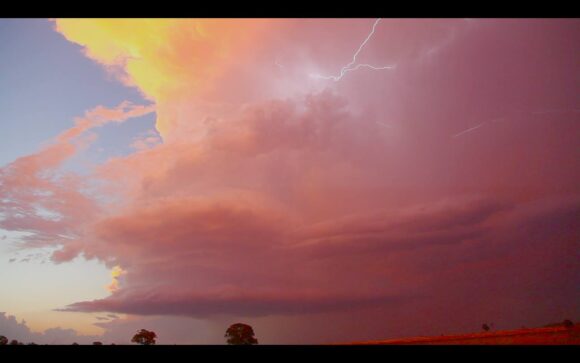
323	180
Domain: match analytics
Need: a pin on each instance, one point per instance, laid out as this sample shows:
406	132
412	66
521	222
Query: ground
529	336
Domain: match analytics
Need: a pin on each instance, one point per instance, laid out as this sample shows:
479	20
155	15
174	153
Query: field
531	336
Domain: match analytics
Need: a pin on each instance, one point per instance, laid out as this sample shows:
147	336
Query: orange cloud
115	274
163	57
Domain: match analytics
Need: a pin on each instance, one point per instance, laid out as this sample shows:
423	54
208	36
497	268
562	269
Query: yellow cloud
115	274
163	57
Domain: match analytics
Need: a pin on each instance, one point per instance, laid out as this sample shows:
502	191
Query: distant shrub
144	337
240	334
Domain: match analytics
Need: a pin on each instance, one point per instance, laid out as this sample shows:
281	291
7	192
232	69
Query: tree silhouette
144	337
485	327
97	343
3	340
568	323
240	334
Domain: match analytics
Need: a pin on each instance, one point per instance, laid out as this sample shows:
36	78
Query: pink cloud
273	194
41	199
231	302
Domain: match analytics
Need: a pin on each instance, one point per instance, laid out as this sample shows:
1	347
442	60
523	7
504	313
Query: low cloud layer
14	330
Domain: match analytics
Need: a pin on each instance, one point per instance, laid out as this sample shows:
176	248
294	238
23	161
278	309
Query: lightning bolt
352	66
469	130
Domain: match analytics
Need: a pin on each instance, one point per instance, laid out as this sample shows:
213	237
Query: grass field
530	336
